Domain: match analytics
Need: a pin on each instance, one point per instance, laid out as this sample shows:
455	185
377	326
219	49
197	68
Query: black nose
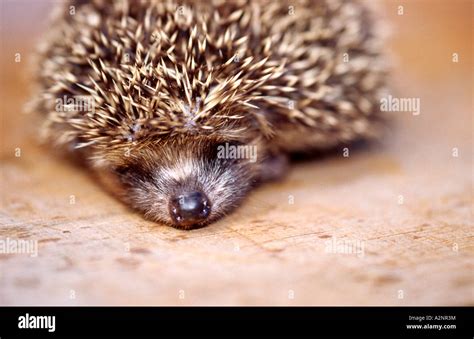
189	208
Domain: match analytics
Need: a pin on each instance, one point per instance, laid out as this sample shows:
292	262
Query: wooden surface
407	203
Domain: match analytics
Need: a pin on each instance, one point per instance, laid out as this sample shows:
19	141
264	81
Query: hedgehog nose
190	208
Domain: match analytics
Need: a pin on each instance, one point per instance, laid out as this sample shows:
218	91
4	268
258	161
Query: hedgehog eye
122	170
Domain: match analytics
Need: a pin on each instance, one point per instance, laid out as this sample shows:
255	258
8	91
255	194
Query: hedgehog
180	107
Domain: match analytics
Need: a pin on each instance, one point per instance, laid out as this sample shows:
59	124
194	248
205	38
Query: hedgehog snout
189	209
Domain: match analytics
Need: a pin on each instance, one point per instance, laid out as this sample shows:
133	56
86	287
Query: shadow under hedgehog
164	100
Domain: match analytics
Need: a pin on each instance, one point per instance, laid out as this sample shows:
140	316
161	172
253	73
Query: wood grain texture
405	205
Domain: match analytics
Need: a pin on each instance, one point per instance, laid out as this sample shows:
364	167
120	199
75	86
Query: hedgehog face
186	183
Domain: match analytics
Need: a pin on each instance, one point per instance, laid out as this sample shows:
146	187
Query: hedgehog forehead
166	152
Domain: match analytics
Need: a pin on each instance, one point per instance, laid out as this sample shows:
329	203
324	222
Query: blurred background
409	201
